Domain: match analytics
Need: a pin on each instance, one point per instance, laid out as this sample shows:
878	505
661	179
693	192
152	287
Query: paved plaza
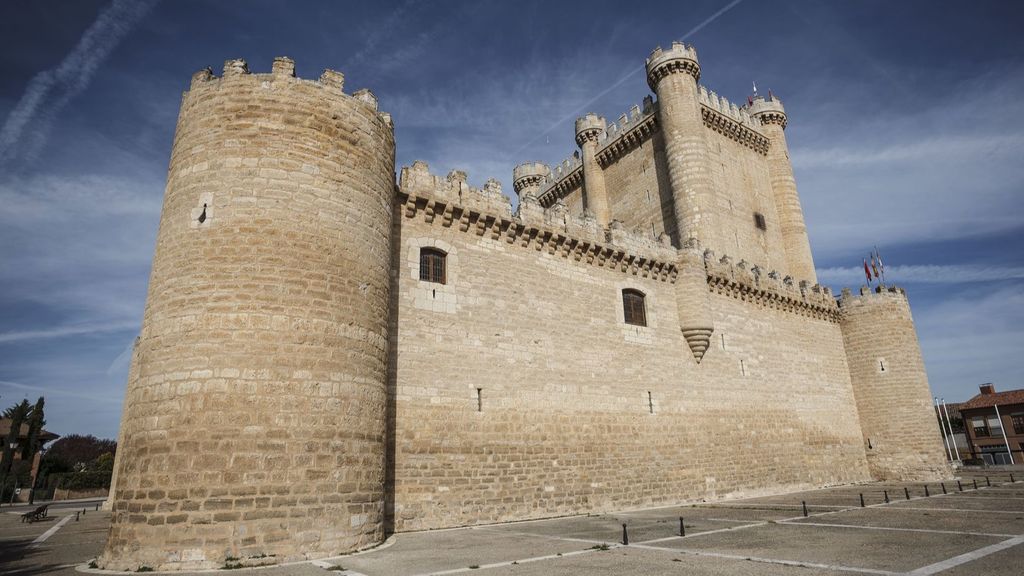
965	531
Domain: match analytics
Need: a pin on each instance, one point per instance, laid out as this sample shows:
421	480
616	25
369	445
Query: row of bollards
803	503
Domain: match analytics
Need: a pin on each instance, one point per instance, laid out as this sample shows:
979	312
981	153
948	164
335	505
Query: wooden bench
37	514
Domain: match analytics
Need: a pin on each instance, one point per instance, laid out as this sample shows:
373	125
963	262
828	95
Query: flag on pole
874	266
867	272
880	265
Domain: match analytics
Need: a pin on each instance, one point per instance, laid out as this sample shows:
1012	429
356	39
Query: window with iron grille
633	307
759	221
432	265
980	429
1018	423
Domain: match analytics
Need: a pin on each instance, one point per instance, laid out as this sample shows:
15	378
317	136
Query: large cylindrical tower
901	436
254	429
772	117
673	75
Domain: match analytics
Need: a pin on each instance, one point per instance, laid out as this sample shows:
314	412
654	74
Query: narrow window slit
202	217
743	368
479	400
650	402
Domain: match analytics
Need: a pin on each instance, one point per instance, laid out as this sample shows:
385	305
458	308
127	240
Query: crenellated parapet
589	128
680	58
444	201
629	132
565	177
749	282
767	110
732	121
282	70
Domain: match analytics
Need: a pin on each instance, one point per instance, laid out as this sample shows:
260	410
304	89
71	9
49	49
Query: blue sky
905	131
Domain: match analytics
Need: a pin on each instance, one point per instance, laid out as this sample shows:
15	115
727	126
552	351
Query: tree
36	421
18	414
75	451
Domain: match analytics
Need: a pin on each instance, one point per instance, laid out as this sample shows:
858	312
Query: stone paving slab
962	502
1005	563
875	549
897	517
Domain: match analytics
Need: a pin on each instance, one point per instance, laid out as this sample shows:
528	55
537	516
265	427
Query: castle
328	356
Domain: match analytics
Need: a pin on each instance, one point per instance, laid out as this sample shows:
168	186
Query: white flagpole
1003	428
952	437
942	426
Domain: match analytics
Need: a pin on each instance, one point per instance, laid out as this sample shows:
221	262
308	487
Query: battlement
767	110
589	127
529	176
751	282
552	228
723	106
566	175
679	58
867	295
631	130
731	120
283	69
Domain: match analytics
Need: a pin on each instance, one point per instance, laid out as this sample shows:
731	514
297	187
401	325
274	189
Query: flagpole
1003	428
942	426
951	434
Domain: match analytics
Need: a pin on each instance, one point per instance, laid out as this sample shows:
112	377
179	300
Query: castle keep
327	355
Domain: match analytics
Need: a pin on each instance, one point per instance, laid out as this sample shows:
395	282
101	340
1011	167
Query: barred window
633	307
432	265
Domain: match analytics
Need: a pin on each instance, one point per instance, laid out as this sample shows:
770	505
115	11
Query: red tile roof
989	400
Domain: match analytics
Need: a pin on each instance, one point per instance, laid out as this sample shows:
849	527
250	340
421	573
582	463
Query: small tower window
432	265
759	221
633	307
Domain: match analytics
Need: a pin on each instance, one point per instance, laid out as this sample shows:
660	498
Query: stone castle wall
521	393
254	420
297	391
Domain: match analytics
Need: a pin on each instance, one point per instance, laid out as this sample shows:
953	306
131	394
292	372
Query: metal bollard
926	494
943	484
959	486
906	492
625	535
83	511
975	483
682	527
861	499
987	483
97	508
76	516
886	494
804	502
1011	478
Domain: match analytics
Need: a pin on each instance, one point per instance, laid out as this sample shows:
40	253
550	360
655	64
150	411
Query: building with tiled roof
995	425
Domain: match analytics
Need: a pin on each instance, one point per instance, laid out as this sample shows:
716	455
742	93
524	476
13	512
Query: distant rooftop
988	397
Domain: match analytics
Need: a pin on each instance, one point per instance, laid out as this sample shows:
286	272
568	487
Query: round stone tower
254	424
772	117
673	75
528	177
589	129
901	437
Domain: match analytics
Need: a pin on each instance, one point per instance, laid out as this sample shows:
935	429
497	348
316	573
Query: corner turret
771	115
673	75
589	130
528	177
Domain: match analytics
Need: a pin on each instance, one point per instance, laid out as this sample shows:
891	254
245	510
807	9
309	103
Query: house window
980	430
432	265
759	221
995	426
1018	423
633	307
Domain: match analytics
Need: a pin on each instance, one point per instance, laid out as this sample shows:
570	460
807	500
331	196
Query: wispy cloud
932	274
28	125
50	392
63	331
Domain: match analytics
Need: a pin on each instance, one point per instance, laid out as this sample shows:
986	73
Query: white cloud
27	126
63	331
949	274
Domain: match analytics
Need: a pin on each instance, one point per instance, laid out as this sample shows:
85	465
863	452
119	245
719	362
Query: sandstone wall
254	418
521	393
893	398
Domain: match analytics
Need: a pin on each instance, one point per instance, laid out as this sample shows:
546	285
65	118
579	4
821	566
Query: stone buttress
253	430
